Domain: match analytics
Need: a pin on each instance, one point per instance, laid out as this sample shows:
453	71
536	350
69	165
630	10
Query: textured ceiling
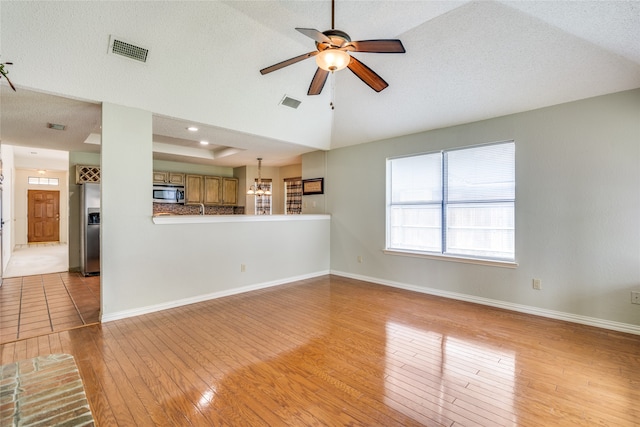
465	61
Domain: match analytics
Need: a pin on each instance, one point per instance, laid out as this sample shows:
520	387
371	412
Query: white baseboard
192	300
558	315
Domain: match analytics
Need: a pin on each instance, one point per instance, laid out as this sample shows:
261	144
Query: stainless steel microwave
168	194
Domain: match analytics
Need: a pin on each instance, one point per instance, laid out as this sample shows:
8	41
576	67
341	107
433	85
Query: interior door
44	216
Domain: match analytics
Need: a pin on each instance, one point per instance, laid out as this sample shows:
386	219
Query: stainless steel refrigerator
90	229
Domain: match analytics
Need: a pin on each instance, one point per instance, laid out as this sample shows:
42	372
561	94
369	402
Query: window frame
43	180
444	203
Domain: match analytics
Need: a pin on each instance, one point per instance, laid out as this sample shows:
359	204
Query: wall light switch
537	284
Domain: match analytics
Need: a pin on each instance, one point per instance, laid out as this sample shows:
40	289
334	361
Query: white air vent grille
290	102
128	50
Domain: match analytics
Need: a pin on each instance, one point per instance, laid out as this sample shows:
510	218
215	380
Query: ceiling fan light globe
333	59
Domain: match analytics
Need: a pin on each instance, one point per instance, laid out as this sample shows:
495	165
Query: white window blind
458	202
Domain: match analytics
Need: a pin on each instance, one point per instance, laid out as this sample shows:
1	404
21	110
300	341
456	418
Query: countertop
206	219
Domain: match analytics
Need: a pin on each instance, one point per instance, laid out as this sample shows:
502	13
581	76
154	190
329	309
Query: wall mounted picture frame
312	186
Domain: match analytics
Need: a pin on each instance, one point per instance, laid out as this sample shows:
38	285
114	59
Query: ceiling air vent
56	126
290	102
128	50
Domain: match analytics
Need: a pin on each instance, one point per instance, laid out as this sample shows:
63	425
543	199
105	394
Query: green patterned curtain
293	196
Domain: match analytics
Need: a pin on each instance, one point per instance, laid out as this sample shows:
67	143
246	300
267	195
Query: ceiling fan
332	54
4	73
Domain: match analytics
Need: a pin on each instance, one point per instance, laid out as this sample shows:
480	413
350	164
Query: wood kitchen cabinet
212	193
173	178
230	191
210	190
193	189
160	177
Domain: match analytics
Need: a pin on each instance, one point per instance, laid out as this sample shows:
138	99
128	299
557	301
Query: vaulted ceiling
465	61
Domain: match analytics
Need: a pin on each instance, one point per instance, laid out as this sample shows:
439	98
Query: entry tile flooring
31	306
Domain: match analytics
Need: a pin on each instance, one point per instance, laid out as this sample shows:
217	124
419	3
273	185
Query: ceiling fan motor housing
338	39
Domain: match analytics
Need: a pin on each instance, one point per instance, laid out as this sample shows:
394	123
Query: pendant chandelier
256	189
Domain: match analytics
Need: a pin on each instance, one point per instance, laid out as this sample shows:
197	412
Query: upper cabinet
230	191
212	193
172	178
210	190
193	190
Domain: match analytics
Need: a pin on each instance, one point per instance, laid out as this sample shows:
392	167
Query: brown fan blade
314	34
319	79
10	84
378	46
288	62
4	73
367	75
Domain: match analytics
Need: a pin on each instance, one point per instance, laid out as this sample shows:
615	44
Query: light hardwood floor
335	351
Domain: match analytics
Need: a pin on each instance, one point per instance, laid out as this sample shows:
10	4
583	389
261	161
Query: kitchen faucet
201	209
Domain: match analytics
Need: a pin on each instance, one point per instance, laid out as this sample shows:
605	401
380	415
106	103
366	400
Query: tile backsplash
177	209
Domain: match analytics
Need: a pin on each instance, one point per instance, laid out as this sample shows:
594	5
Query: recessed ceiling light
192	129
204	142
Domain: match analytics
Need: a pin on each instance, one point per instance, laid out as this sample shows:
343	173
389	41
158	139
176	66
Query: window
293	196
37	180
263	202
457	202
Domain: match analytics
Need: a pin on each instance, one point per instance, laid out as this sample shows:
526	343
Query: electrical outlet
359	259
243	268
537	284
635	297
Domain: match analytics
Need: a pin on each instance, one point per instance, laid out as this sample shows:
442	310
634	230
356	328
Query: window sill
452	258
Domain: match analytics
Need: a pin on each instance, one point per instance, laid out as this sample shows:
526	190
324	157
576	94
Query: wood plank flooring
41	304
335	351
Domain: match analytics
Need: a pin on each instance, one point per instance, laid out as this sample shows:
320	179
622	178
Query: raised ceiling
465	61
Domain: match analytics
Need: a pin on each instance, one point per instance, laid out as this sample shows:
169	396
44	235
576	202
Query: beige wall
577	211
21	187
196	169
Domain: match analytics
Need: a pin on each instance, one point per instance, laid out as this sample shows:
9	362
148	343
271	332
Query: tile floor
36	305
37	258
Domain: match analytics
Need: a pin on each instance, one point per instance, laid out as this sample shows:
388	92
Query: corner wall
147	266
577	211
